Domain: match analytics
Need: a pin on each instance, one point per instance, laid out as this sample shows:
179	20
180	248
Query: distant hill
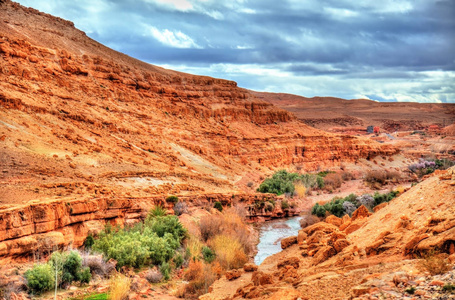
329	112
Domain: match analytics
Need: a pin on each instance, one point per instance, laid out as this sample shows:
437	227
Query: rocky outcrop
72	94
39	228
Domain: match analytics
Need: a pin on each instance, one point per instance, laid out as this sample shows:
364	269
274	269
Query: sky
387	50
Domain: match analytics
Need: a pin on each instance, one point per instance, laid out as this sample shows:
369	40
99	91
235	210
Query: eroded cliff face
36	229
78	119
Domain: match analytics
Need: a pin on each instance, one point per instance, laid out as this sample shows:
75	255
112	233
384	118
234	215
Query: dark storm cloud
338	40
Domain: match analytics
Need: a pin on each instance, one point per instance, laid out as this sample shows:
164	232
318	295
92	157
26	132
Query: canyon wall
30	231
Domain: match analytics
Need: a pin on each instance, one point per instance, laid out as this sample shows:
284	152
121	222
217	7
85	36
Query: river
270	235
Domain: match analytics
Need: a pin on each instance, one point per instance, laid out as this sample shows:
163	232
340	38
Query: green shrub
337	207
155	241
318	210
69	268
88	243
449	287
172	199
208	254
283	182
284	204
85	276
157	211
165	269
178	260
218	206
40	278
325	173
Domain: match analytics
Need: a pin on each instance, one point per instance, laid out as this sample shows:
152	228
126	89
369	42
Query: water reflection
270	235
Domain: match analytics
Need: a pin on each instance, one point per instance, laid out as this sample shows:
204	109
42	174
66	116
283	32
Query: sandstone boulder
323	254
287	294
292	261
321	226
346	218
286	242
250	267
361	212
261	278
380	206
301	237
334	220
233	274
340	244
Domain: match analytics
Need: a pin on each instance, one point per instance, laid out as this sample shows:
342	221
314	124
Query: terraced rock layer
78	120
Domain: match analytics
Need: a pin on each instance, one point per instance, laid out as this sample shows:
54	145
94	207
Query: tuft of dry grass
119	287
195	246
229	251
300	189
199	276
230	223
332	181
434	263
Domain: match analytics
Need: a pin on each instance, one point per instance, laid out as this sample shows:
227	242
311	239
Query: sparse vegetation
332	181
40	278
424	166
435	263
347	205
218	206
449	287
180	208
154	241
283	182
65	267
119	287
172	199
378	178
154	276
208	254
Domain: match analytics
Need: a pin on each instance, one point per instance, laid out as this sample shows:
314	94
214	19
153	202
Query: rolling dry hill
328	112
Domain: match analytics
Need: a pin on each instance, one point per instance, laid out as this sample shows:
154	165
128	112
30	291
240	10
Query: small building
370	129
376	129
433	128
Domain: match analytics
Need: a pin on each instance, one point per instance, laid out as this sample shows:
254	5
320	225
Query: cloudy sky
387	50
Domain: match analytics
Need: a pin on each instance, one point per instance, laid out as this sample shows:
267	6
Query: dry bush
229	252
400	189
238	209
435	264
308	220
119	287
210	226
235	227
346	176
195	246
97	264
376	178
195	270
199	276
332	181
300	190
154	276
393	176
231	223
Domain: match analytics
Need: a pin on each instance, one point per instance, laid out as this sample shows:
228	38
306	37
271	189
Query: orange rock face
81	120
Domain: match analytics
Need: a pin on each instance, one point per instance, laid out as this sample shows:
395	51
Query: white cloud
176	39
182	5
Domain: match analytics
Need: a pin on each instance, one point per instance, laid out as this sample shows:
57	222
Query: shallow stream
270	235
